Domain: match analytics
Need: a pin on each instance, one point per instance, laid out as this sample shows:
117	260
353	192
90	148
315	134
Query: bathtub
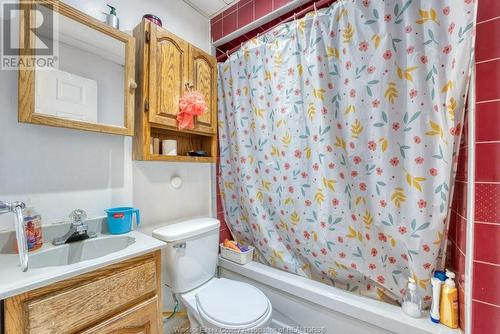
302	305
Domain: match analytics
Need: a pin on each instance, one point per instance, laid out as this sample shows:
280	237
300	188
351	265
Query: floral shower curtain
338	137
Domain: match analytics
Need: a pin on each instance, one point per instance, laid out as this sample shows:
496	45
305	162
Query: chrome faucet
22	245
78	229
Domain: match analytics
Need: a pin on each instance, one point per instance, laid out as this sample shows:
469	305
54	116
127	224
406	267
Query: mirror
82	73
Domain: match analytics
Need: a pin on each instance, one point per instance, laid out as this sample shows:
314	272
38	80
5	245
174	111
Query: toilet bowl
226	304
189	264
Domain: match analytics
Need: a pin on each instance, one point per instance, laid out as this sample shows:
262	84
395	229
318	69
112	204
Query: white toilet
189	264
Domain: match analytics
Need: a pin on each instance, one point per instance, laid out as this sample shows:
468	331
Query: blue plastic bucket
120	219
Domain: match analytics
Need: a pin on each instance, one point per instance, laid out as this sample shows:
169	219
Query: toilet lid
232	303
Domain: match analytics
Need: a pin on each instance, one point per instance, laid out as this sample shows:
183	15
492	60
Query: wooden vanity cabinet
120	298
166	65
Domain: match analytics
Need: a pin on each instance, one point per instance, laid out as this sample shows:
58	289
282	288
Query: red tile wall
241	14
486	265
486	262
457	236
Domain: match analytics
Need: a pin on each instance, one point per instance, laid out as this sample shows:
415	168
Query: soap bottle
449	302
111	18
33	228
412	302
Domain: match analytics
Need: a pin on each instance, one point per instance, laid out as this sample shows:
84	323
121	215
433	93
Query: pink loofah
191	104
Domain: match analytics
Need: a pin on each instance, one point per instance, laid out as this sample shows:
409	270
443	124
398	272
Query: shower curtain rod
314	6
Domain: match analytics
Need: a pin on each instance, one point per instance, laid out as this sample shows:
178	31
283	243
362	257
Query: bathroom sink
78	251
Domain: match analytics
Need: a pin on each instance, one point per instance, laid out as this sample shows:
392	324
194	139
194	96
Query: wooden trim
130	86
184	131
26	76
142	137
181	158
80	125
79	16
159	291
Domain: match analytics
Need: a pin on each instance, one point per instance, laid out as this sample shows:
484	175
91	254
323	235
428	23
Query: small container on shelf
233	253
169	147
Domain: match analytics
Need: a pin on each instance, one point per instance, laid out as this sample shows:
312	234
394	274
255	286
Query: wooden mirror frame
26	80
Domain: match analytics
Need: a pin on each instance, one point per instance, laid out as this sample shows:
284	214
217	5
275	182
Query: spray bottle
449	302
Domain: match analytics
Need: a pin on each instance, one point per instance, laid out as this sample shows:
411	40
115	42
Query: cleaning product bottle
412	302
111	18
437	283
449	302
33	227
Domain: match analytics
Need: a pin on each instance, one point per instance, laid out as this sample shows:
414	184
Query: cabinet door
140	319
168	73
204	78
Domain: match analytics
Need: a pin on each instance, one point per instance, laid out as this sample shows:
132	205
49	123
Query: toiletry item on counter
412	302
169	147
153	18
111	18
449	302
156	145
33	227
436	282
120	219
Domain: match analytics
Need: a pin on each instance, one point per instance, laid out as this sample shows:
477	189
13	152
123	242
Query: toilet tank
190	258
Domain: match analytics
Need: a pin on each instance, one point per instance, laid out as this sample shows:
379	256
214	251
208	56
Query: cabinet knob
133	85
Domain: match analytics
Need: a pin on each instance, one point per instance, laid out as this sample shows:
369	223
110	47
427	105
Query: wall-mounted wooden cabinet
165	65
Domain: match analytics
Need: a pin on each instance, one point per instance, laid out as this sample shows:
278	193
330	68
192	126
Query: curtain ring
315	10
227	53
294	17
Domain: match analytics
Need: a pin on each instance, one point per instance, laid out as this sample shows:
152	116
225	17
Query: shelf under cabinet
186	141
181	158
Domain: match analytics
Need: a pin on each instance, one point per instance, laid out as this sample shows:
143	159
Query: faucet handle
78	216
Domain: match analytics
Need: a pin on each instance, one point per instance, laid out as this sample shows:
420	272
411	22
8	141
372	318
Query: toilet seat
228	304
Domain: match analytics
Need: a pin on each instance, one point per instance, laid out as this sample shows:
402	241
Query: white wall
61	169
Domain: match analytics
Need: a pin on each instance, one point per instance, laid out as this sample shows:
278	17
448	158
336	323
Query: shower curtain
338	136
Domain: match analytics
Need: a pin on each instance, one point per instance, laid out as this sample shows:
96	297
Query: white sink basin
78	251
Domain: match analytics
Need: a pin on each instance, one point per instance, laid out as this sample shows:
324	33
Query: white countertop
13	281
